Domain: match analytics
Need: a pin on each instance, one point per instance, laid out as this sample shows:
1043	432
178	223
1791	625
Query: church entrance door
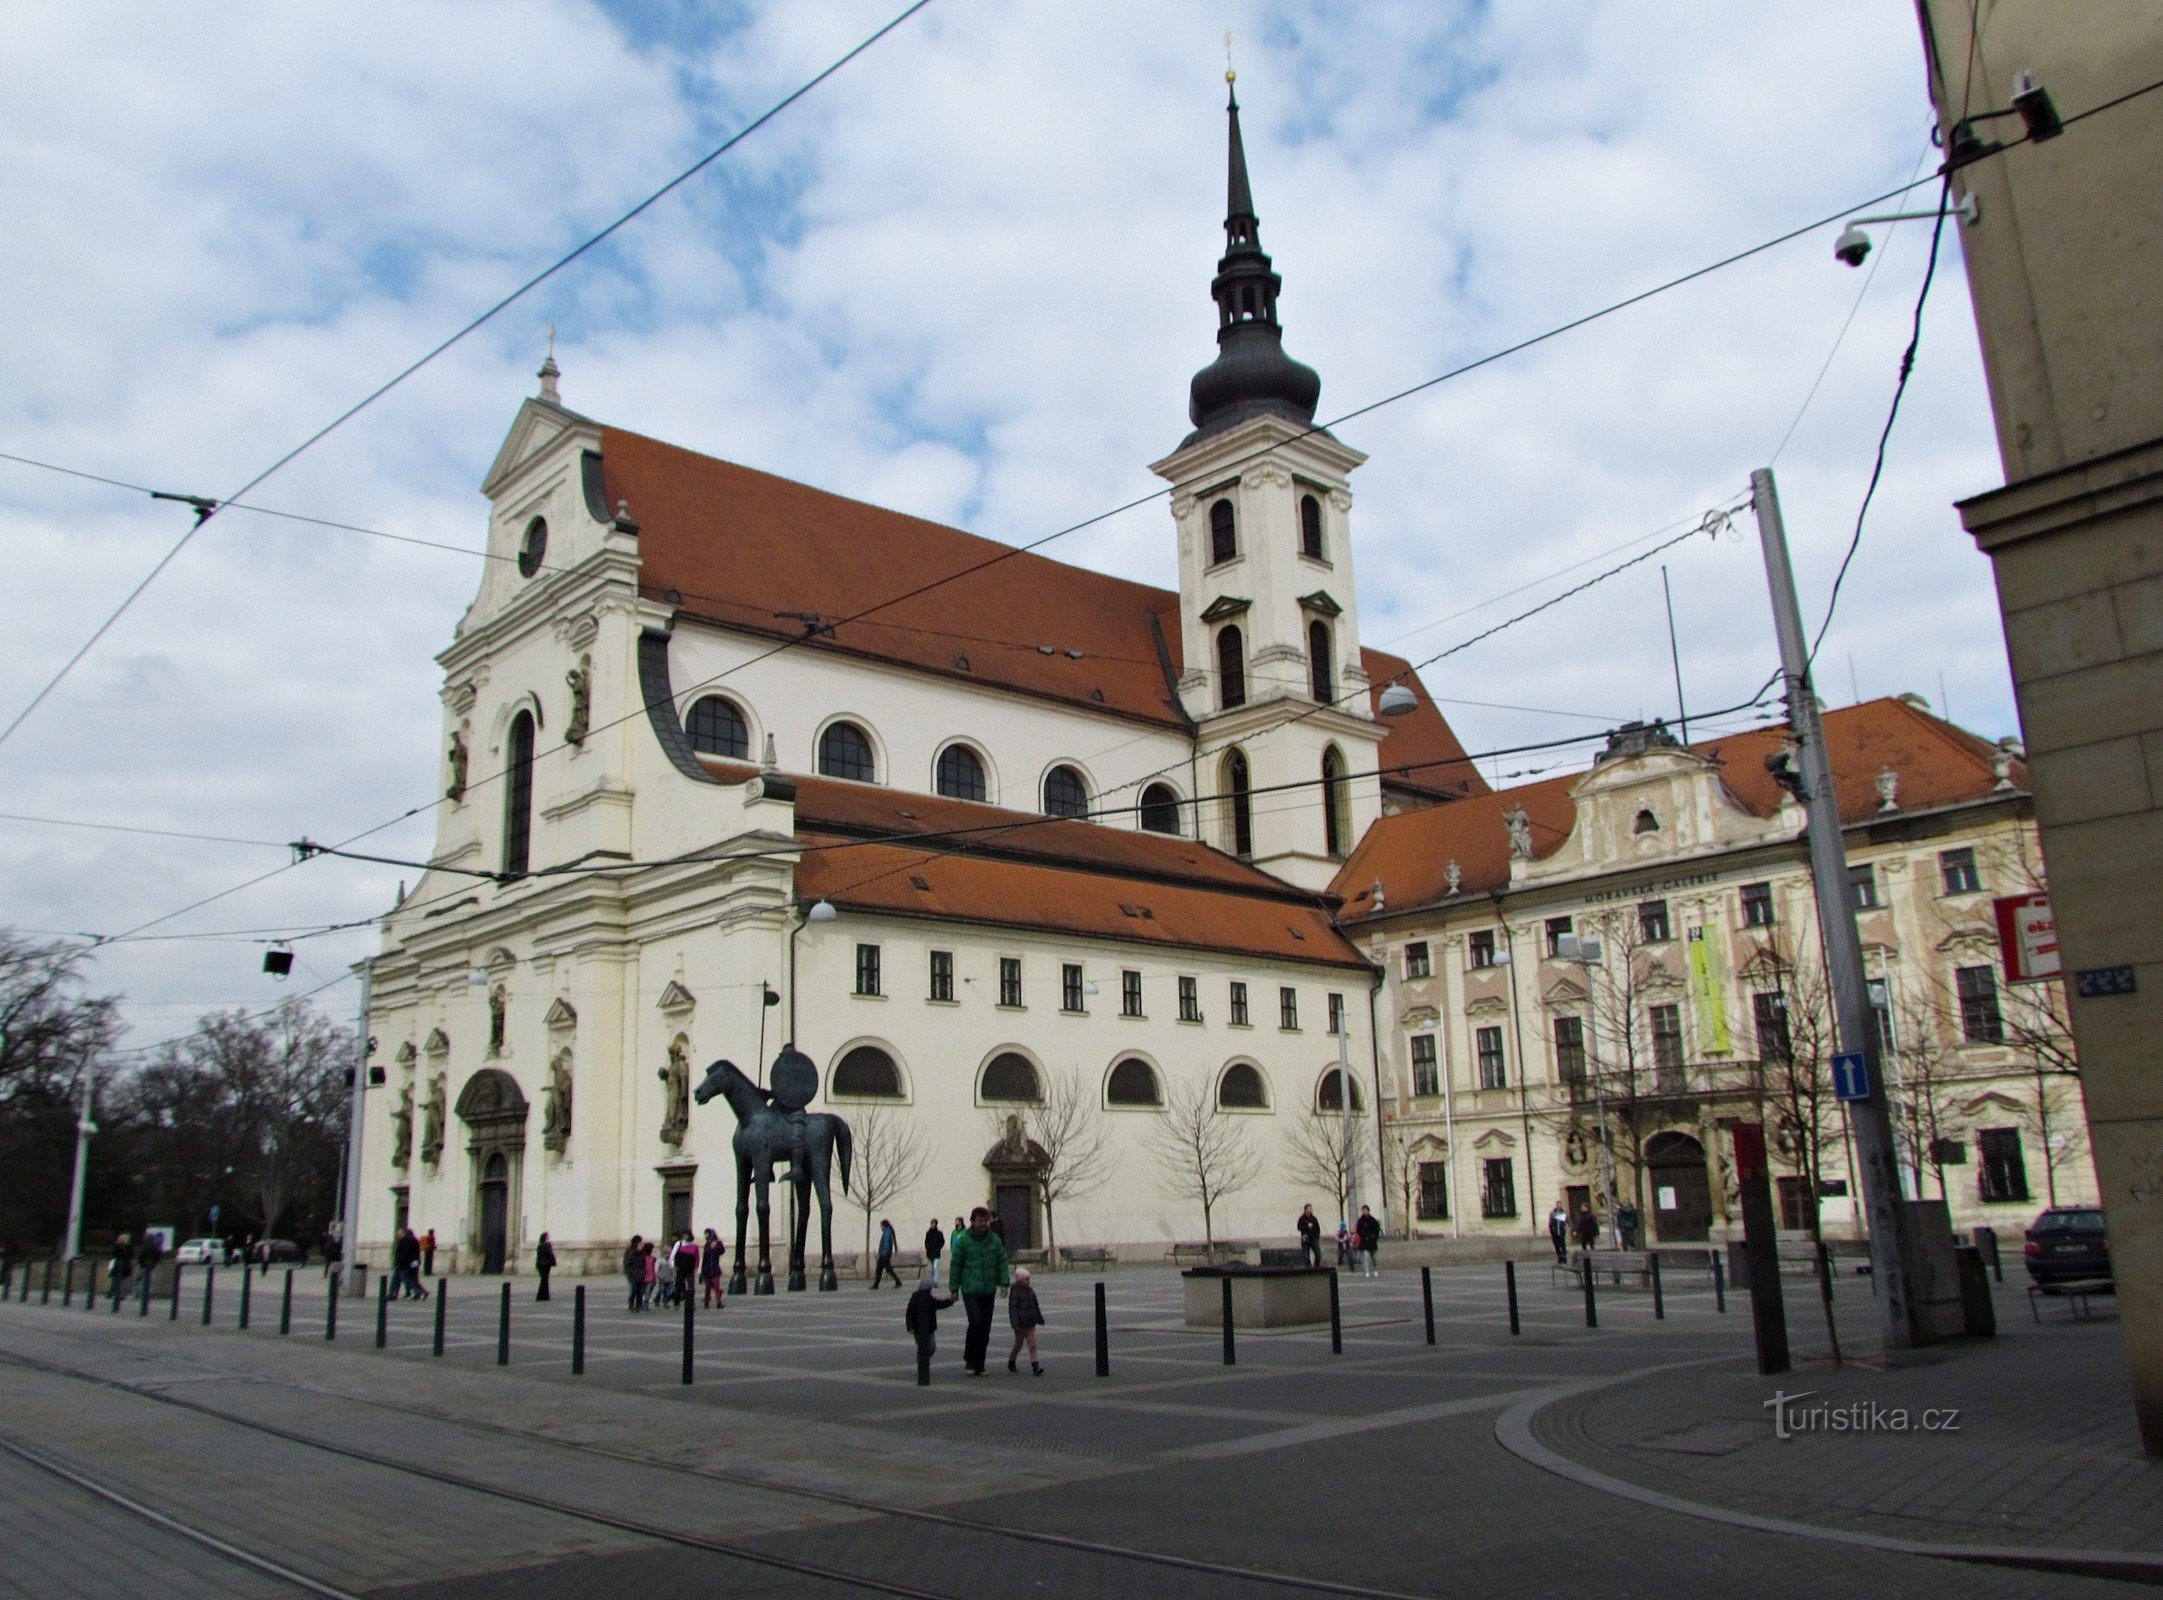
1681	1193
1016	1208
495	1214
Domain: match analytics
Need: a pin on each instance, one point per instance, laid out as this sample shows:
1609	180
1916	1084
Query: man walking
883	1262
1558	1230
934	1247
1369	1233
544	1262
406	1267
1310	1236
428	1254
977	1272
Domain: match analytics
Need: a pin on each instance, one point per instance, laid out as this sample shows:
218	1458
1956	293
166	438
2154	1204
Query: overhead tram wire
205	509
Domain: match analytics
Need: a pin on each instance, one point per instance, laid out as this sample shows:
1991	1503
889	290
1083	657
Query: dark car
2067	1244
277	1251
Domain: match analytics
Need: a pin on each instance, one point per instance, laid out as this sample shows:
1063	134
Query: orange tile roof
754	552
1939	764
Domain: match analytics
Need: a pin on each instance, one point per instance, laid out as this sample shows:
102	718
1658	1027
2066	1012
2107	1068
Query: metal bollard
1336	1318
1719	1283
174	1314
285	1306
1230	1356
210	1279
1592	1313
246	1296
503	1330
690	1309
47	1298
1509	1283
578	1332
1659	1301
67	1293
1426	1297
443	1298
383	1312
330	1308
1104	1340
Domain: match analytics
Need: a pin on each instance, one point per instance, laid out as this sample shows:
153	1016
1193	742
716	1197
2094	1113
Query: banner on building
1711	998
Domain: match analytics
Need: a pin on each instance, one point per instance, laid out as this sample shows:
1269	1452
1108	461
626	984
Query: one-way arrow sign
1851	1075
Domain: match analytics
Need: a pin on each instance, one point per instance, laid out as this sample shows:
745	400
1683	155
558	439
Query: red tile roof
1939	764
754	552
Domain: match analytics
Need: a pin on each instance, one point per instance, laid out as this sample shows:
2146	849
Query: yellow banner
1711	999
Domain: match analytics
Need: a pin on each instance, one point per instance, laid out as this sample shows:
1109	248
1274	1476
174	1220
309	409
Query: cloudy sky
967	277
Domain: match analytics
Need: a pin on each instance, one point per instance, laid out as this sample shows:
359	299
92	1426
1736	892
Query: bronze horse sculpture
772	1126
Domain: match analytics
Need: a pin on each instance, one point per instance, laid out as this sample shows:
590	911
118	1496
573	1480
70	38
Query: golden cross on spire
1229	75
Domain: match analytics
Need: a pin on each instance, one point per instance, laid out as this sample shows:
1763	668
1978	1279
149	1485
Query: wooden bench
1614	1265
1086	1255
2076	1292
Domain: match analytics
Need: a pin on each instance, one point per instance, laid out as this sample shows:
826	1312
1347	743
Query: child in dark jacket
1026	1316
922	1319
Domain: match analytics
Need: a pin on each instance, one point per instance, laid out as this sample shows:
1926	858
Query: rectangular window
1796	1203
1881	1016
1130	993
1190	1000
1863	886
1757	905
942	974
1556	928
1652	925
2004	1172
1070	986
1336	1014
1493	1072
1768	1010
1288	1009
1010	980
1498	1187
1957	869
867	969
1434	1191
1416	961
1480	949
1239	1004
1667	1048
1426	1070
1570	1054
1979	1019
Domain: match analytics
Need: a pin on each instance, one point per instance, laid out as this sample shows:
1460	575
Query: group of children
667	1280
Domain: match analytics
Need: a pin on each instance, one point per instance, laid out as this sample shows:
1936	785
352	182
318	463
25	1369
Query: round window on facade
961	774
1133	1083
867	1073
716	728
1011	1079
1330	1097
533	548
1065	795
1242	1089
1160	808
845	752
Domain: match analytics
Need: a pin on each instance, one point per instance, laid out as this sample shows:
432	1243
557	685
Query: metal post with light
349	1211
85	1130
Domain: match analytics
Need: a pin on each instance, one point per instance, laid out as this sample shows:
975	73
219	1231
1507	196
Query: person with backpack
977	1271
1026	1316
934	1247
544	1262
883	1263
922	1320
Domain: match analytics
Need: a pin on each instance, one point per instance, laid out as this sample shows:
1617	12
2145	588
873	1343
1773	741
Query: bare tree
1205	1154
51	1033
891	1154
1070	1130
1324	1149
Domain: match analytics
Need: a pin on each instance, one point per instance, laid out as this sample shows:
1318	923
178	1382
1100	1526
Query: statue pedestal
1262	1297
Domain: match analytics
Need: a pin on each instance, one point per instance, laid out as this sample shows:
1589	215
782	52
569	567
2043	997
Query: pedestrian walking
1309	1228
1558	1230
934	1247
428	1254
1026	1316
634	1271
649	1267
921	1318
883	1262
1369	1234
123	1267
977	1272
544	1262
1344	1244
405	1266
1586	1227
1630	1223
684	1267
709	1270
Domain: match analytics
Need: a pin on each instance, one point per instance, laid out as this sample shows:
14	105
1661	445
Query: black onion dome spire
1252	376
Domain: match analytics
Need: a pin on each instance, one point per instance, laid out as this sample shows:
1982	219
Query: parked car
2066	1244
269	1252
200	1253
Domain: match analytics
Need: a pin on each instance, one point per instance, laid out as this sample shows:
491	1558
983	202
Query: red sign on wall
2028	938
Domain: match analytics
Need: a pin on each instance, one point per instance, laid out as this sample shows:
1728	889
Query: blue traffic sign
1851	1075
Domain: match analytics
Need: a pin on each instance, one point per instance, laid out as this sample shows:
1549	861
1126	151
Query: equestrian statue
772	1125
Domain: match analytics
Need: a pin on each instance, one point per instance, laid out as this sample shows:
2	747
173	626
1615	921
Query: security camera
1852	246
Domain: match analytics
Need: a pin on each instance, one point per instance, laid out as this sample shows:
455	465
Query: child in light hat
1026	1316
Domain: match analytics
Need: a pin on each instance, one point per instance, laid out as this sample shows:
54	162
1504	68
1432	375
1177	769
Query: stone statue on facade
498	1005
676	1112
458	758
1888	789
556	1106
580	678
1453	875
1519	822
402	1129
432	1116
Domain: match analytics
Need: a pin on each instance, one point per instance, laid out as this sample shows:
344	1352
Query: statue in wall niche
458	758
498	1004
676	1115
1519	822
556	1108
580	678
432	1119
1574	1153
402	1129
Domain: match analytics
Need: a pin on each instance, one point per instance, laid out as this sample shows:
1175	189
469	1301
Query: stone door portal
495	1213
1681	1193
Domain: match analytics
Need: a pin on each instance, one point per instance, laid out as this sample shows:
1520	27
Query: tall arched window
1321	664
1336	805
845	752
1065	794
961	773
518	796
1238	802
1310	527
1223	532
867	1073
1160	808
1231	669
1133	1083
717	728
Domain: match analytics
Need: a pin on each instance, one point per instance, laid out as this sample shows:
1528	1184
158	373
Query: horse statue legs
743	1218
765	1282
821	1167
800	1225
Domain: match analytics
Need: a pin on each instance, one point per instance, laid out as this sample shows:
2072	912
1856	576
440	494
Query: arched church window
1242	1089
845	752
1065	795
1160	808
518	797
867	1073
1646	823
717	728
1011	1079
1238	803
1310	527
1223	533
1231	668
961	773
1330	1096
1133	1083
1321	664
1336	805
533	547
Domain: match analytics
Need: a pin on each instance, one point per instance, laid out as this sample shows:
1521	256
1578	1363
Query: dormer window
1646	822
1310	528
533	547
1223	533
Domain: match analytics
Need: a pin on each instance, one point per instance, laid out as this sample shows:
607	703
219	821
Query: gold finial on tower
1229	75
